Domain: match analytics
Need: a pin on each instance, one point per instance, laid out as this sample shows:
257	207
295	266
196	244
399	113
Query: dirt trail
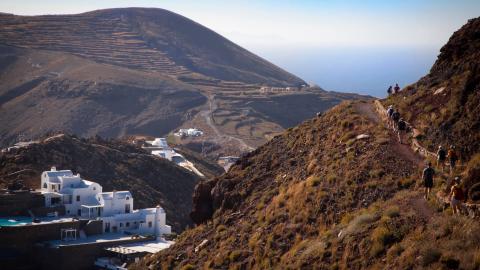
403	149
417	202
221	137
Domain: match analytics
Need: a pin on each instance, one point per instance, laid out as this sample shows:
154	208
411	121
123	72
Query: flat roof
101	238
138	247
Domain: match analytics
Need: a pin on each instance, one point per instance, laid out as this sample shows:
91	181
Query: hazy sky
273	28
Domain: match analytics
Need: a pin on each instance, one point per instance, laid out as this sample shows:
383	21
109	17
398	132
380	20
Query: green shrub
188	267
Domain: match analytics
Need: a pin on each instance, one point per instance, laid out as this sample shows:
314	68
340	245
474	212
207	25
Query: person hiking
402	129
456	196
390	90
427	177
452	158
389	114
395	119
441	157
396	89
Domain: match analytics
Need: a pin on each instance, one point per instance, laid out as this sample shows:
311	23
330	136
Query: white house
159	147
189	132
85	199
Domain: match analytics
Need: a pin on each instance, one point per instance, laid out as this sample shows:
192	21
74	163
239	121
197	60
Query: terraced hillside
147	39
139	71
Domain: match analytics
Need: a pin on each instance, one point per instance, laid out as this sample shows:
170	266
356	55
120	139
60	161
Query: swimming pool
14	221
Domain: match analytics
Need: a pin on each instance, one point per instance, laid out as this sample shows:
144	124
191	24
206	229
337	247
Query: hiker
395	119
441	157
396	89
456	196
389	114
452	158
401	130
427	177
390	90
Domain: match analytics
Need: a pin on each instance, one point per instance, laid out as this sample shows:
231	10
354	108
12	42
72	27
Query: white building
189	132
85	199
159	147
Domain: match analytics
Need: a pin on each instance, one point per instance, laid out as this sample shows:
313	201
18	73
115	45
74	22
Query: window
127	224
68	211
121	225
44	185
149	224
94	188
78	198
59	187
128	198
79	212
127	208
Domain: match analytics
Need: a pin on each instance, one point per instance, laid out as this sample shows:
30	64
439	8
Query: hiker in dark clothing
452	158
396	89
395	119
441	157
402	129
390	90
427	177
456	196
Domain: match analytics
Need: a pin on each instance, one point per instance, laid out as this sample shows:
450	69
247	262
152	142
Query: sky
331	43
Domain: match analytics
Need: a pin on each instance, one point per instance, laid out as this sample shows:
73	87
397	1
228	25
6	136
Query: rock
202	209
362	136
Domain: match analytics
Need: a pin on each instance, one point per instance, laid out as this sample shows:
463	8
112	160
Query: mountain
113	164
141	71
339	192
444	104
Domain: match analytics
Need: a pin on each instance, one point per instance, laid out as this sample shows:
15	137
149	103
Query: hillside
143	38
141	71
336	192
444	105
113	164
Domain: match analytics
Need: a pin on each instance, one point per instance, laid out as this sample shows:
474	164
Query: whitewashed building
85	199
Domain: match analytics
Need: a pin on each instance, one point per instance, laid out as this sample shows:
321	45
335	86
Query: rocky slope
336	192
444	105
113	164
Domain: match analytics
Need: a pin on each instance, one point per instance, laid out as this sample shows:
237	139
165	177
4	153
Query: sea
366	71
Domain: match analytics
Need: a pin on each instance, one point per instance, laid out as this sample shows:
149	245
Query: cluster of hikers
397	123
456	194
393	90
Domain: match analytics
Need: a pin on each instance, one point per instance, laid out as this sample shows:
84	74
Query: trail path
221	137
417	202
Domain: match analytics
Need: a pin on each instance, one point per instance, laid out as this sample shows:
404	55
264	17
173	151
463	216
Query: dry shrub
430	255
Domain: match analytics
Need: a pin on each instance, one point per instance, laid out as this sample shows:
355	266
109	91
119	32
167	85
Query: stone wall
18	203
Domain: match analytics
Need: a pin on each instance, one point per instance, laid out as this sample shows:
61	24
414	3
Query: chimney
53	169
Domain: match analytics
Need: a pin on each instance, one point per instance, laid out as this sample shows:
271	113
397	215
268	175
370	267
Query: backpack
452	155
402	125
441	154
396	116
389	112
458	193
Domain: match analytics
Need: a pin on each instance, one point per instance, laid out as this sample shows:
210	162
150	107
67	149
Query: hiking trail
417	202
